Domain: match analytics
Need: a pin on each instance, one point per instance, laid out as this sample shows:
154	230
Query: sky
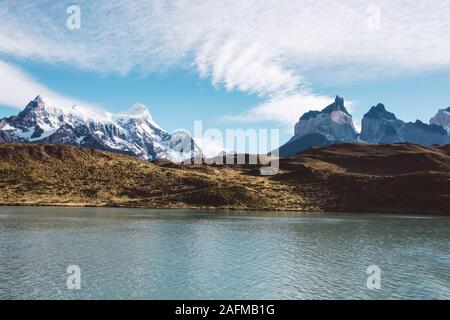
229	63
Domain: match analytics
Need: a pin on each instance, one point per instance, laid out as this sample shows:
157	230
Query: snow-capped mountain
442	118
133	132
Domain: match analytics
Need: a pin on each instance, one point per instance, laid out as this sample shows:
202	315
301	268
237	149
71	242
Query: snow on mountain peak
133	132
138	112
44	103
44	106
39	99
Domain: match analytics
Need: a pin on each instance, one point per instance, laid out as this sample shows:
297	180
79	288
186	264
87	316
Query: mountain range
81	157
334	125
136	133
133	132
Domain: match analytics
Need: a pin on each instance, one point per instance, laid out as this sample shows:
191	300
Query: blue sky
246	64
175	99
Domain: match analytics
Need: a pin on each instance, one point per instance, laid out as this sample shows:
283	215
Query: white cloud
246	68
265	47
307	34
284	109
17	89
210	147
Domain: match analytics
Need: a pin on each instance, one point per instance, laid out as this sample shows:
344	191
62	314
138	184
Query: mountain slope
134	132
404	178
299	144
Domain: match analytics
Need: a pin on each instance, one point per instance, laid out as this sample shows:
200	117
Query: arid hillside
400	178
403	178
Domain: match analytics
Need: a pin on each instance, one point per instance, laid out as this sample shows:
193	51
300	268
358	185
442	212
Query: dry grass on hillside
350	177
55	174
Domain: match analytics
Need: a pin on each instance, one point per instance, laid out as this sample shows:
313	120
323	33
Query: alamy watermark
373	21
73	21
374	277
249	147
74	279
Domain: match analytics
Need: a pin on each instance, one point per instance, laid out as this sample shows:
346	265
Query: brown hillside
403	178
66	175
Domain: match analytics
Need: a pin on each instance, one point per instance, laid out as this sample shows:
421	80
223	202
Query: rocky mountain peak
379	126
39	103
35	104
333	122
39	99
337	105
37	112
379	112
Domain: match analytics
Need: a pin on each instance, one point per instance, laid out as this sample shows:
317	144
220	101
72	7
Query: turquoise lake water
181	254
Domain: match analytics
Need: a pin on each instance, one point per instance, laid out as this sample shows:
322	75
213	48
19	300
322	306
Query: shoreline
225	209
208	208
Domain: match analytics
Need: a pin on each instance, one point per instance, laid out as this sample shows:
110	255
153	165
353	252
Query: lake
185	254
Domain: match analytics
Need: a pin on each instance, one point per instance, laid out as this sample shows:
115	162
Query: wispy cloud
260	47
248	68
283	109
121	35
17	88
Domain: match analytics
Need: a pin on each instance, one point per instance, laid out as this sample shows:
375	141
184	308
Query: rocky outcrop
321	128
334	123
380	126
423	134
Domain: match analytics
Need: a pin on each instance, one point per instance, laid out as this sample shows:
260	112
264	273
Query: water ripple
152	254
